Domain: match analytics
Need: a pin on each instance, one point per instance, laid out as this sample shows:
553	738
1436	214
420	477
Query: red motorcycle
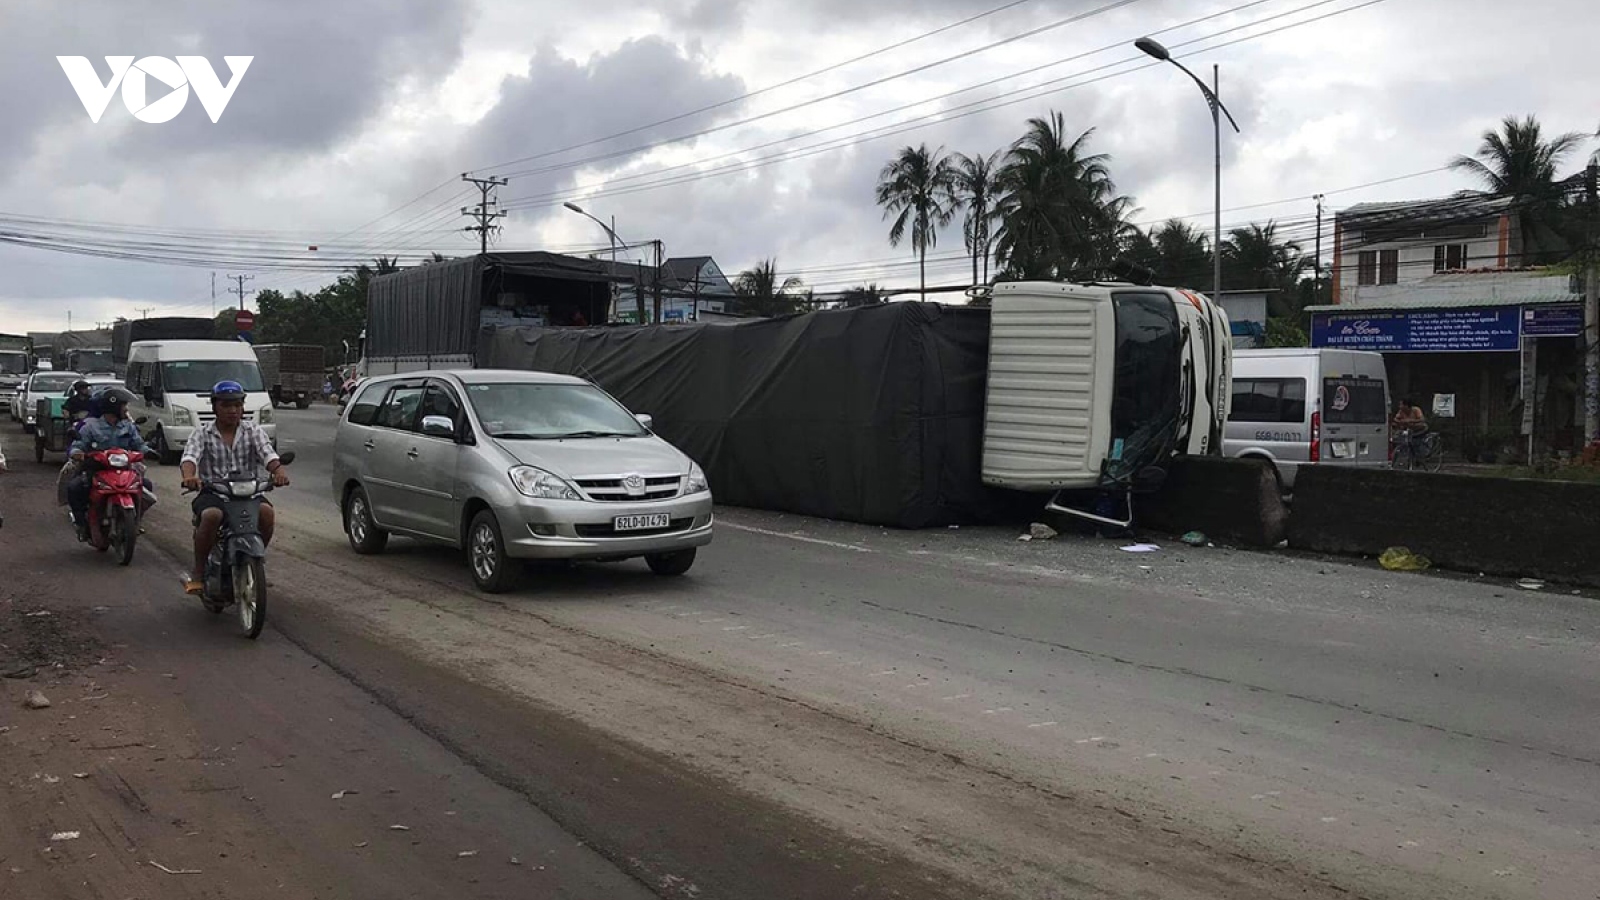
117	500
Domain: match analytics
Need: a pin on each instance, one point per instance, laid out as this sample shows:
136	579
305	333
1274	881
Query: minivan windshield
530	411
196	376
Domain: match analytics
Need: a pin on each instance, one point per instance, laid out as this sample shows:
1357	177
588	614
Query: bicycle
1424	452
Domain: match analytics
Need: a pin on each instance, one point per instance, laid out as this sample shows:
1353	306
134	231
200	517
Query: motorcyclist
111	429
226	446
81	403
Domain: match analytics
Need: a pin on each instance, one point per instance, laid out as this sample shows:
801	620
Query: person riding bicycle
1409	423
226	446
111	428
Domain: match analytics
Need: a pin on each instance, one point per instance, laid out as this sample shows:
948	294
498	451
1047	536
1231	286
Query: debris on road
1141	548
1039	531
1530	584
466	853
342	794
36	700
399	828
176	871
1401	559
64	836
1195	539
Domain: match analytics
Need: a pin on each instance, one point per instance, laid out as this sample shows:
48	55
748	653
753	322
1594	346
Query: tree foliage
761	291
917	188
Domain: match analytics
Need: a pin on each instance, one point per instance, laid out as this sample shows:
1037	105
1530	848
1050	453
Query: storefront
1472	367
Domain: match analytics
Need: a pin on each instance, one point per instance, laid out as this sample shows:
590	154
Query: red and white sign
244	319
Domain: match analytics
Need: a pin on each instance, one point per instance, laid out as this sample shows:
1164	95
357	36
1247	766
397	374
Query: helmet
227	390
80	385
115	400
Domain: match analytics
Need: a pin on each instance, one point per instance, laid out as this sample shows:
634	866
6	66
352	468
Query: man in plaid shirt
226	446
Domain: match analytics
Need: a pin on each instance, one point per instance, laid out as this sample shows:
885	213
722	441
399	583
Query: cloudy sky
720	127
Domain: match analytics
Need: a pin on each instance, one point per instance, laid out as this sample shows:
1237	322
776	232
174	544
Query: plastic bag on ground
1401	559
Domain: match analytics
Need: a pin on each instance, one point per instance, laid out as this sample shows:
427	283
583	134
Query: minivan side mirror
141	420
645	420
438	426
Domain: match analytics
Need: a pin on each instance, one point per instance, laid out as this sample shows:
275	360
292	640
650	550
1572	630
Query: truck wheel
303	403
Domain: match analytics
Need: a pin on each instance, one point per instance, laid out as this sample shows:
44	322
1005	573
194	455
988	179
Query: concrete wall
1233	501
1500	526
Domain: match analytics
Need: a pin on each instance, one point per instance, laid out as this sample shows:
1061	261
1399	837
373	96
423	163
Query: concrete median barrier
1233	501
1500	526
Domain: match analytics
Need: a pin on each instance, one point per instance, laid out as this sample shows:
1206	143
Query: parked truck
293	373
171	328
16	357
86	351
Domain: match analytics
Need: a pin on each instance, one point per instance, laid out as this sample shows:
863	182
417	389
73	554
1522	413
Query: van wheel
366	538
671	564
164	451
492	570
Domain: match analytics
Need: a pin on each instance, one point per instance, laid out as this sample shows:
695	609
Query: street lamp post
1153	48
611	232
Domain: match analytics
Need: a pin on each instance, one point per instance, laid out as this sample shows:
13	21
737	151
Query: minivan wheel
675	563
164	451
492	570
365	536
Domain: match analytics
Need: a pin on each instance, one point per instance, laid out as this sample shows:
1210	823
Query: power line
482	214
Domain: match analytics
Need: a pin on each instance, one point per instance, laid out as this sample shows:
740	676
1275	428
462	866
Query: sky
739	129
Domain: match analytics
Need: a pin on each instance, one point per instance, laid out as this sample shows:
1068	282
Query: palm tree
976	185
862	295
1183	254
1518	162
761	292
1253	257
1056	202
916	188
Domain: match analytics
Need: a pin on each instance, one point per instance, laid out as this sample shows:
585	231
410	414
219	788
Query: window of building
1449	257
1388	266
1367	267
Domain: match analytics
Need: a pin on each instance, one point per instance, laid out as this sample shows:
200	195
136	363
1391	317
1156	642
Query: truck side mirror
646	420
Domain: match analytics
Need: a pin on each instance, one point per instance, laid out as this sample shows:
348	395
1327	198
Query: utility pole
143	311
657	285
1316	295
69	320
482	214
1591	311
241	279
213	295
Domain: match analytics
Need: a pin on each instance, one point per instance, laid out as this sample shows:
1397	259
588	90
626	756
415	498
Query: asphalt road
1055	718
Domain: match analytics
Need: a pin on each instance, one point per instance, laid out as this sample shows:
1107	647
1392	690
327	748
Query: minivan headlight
264	417
535	482
182	416
696	482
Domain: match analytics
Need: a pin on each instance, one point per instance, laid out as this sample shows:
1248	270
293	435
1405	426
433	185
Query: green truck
294	373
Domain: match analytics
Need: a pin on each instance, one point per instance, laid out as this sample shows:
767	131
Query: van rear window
1268	400
1354	401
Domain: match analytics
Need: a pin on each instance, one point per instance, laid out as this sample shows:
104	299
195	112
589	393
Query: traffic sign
244	319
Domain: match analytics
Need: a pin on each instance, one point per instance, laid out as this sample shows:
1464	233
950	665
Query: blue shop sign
1552	321
1491	329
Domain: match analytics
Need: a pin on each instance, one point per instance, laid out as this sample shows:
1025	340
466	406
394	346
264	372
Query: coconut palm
916	188
977	185
1184	254
1518	162
1055	202
761	292
1253	257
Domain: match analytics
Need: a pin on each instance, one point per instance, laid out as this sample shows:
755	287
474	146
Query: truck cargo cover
869	415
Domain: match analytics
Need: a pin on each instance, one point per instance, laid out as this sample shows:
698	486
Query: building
690	285
1247	316
1469	331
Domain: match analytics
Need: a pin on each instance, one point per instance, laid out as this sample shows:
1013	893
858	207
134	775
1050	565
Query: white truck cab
172	382
1093	387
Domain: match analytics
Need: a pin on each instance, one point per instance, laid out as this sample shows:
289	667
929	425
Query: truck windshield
1145	398
13	362
196	376
92	361
548	411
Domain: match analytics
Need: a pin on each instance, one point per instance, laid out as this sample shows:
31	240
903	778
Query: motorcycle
236	569
117	501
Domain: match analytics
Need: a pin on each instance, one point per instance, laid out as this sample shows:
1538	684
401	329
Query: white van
1094	386
1296	406
172	381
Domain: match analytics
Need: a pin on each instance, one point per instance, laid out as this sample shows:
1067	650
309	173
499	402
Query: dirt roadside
176	759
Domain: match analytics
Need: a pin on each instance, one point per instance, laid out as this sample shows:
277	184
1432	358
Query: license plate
641	523
1342	449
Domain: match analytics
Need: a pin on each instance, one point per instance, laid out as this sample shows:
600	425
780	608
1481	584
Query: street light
1153	48
611	234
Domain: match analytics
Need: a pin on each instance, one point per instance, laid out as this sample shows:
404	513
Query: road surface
956	713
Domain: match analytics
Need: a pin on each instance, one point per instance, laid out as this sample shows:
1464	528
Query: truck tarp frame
871	415
434	309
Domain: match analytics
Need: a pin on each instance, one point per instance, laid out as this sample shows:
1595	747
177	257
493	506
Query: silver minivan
512	466
1296	406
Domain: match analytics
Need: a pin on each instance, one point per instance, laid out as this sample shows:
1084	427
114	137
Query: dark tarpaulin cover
870	415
